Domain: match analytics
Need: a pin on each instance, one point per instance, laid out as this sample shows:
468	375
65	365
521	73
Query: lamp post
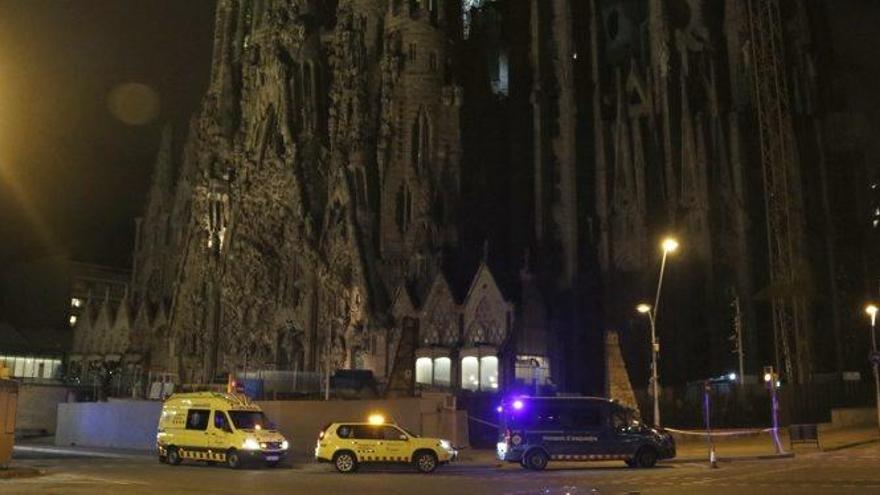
669	245
647	310
871	310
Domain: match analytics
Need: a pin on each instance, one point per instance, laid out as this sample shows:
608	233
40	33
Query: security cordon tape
698	433
478	420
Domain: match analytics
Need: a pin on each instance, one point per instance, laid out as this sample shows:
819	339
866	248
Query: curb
81	452
761	457
18	472
850	445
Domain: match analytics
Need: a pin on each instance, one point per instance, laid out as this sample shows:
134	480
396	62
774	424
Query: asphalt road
851	471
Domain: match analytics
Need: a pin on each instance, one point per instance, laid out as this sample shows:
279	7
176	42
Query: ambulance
219	428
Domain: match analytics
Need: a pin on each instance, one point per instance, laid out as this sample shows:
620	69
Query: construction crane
782	190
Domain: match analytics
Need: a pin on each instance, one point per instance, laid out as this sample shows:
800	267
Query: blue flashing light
518	405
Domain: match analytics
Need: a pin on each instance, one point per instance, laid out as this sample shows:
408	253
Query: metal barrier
804	434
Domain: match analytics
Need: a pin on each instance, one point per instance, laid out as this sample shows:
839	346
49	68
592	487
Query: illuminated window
489	373
72	320
443	371
76	302
470	373
424	371
532	370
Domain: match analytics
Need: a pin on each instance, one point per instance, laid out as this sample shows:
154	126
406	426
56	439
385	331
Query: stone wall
132	424
37	408
124	424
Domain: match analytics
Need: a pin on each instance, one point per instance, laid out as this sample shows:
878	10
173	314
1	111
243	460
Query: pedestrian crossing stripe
586	457
384	458
203	455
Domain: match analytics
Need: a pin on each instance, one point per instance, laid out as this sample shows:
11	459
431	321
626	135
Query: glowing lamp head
669	245
731	377
643	308
518	405
871	310
768	377
376	419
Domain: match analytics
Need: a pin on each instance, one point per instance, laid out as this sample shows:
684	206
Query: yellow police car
349	445
217	427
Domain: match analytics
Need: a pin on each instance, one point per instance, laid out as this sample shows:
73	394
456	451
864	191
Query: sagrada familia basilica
468	193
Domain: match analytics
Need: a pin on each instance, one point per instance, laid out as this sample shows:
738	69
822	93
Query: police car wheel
173	457
426	462
536	460
646	457
345	462
233	459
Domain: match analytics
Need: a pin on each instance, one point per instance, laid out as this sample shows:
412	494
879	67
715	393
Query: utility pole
871	310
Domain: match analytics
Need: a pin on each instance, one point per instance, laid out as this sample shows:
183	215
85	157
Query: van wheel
426	462
233	459
536	460
173	456
646	457
345	462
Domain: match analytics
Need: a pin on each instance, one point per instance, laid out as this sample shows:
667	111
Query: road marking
74	453
70	479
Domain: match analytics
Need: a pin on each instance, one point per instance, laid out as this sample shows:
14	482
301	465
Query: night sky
72	174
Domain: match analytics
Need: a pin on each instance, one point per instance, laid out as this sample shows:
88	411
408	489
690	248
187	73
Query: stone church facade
318	189
470	193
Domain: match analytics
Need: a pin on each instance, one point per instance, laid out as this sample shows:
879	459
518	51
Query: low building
466	338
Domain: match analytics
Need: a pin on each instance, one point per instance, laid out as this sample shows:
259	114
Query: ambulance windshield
249	420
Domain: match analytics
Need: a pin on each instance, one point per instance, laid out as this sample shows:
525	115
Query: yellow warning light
376	419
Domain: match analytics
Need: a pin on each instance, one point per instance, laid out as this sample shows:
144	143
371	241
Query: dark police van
536	430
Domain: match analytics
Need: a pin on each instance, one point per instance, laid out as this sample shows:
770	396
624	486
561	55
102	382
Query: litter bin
8	403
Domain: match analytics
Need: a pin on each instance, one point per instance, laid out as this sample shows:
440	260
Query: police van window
220	421
585	416
619	419
197	419
545	417
344	431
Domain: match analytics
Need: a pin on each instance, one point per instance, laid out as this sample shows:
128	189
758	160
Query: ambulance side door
194	437
220	432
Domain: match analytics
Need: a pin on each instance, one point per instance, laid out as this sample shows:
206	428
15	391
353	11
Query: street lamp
871	310
669	245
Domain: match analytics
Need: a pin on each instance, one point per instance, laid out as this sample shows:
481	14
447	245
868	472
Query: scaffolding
782	190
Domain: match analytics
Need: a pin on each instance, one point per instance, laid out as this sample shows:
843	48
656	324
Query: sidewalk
14	472
760	446
735	448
